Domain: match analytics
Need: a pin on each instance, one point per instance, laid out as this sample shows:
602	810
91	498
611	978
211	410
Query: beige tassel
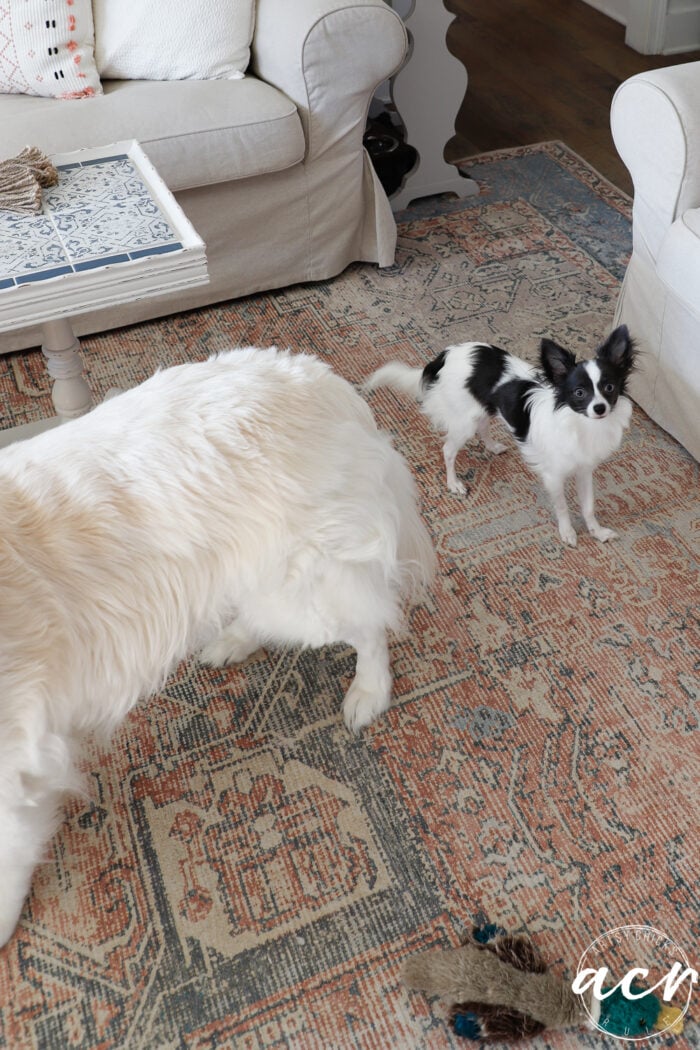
42	168
21	180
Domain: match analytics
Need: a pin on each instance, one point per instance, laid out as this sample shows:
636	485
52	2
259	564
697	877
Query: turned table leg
71	394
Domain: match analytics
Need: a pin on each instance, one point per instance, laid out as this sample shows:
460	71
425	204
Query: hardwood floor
541	70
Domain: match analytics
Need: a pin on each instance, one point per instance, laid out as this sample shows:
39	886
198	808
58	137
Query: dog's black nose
599	410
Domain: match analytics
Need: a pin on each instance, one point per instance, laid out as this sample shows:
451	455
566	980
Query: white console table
427	92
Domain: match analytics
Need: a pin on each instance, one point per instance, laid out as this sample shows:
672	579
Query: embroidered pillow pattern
47	48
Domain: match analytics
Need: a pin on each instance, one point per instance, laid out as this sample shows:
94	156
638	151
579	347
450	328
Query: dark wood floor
541	70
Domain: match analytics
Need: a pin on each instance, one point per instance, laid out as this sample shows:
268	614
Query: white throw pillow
173	39
46	48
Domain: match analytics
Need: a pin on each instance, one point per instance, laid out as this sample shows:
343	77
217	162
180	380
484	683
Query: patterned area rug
246	874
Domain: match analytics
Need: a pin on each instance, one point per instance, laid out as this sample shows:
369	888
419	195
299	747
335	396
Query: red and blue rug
247	874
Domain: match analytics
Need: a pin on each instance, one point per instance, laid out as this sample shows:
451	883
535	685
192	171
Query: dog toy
22	179
502	991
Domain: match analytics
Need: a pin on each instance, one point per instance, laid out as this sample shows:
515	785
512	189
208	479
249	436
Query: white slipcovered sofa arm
655	122
328	56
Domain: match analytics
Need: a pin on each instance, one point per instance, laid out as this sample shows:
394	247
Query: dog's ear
618	348
556	361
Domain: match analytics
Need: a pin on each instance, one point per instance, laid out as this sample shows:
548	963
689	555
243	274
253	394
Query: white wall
682	25
656	27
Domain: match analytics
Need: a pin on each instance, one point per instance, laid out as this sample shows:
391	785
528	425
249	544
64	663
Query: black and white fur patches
567	415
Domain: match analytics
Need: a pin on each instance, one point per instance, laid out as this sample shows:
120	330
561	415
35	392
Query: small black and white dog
567	416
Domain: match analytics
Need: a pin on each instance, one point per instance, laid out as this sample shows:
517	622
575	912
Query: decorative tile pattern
245	873
101	213
28	244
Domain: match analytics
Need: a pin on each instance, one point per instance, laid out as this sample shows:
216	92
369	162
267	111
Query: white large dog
242	500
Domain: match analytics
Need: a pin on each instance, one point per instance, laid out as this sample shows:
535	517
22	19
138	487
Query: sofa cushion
196	132
678	263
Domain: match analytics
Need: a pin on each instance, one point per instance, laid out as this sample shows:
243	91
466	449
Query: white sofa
655	120
270	169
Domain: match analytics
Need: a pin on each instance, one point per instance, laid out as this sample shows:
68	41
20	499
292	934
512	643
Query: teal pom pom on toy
629	1018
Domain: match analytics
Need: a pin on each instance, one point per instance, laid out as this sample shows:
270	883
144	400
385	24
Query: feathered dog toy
502	991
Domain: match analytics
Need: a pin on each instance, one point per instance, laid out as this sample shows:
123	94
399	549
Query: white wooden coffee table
108	233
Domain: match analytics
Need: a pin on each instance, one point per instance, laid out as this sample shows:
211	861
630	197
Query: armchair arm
655	122
328	56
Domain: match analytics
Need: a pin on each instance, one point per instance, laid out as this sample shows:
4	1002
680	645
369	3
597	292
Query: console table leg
426	92
71	394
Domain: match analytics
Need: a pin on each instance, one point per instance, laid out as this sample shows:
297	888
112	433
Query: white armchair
655	121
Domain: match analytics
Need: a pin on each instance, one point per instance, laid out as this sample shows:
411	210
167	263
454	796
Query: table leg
71	394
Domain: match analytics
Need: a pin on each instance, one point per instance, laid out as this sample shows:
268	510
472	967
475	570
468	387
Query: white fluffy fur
243	500
560	444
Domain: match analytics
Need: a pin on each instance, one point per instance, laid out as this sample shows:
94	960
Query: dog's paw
457	488
361	706
568	535
496	447
602	534
15	882
8	923
231	647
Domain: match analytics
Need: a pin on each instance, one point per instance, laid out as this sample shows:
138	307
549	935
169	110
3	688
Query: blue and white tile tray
108	233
